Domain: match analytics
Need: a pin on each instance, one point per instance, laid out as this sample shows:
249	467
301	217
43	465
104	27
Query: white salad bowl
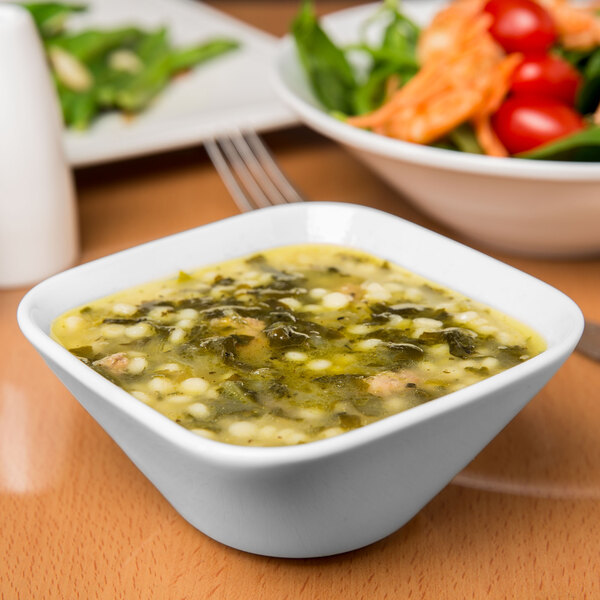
544	208
336	494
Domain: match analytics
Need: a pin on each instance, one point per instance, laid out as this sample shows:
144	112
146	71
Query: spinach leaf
186	58
460	342
85	353
461	139
461	345
348	422
235	398
588	96
583	146
406	351
371	94
510	355
381	312
140	89
284	335
223	348
331	75
88	46
78	108
50	17
576	58
588	63
396	56
401	35
368	405
326	66
395	336
465	140
125	68
345	381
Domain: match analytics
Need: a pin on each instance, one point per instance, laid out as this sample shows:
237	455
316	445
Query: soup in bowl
354	463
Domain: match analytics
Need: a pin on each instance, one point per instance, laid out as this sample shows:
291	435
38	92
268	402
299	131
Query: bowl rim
409	152
231	455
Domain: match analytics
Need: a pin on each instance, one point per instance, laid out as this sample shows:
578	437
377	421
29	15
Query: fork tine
220	163
288	191
261	176
249	171
240	169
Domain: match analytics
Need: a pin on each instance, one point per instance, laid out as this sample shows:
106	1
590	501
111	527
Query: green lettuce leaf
583	146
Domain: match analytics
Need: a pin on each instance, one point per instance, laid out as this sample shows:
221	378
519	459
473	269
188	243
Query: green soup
292	345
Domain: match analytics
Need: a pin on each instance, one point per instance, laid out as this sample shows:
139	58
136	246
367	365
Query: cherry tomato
526	122
521	25
547	75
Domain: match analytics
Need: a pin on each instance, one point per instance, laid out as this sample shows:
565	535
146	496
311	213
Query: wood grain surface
78	520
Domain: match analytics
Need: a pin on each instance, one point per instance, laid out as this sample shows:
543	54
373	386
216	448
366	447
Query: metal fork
254	181
250	172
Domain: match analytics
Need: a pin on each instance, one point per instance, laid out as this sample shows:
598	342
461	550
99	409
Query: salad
503	78
118	69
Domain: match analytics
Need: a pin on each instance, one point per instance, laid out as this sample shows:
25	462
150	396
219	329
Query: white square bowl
337	494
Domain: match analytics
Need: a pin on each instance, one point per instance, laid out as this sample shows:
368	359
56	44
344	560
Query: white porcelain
231	91
38	218
328	496
521	206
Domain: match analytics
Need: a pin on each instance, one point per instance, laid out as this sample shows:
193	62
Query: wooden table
78	520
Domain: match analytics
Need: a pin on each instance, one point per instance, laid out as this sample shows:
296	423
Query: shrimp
578	26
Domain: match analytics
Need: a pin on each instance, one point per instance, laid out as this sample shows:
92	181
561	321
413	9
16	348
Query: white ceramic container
38	216
328	496
544	208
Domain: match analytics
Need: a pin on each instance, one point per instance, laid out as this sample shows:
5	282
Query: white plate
231	91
